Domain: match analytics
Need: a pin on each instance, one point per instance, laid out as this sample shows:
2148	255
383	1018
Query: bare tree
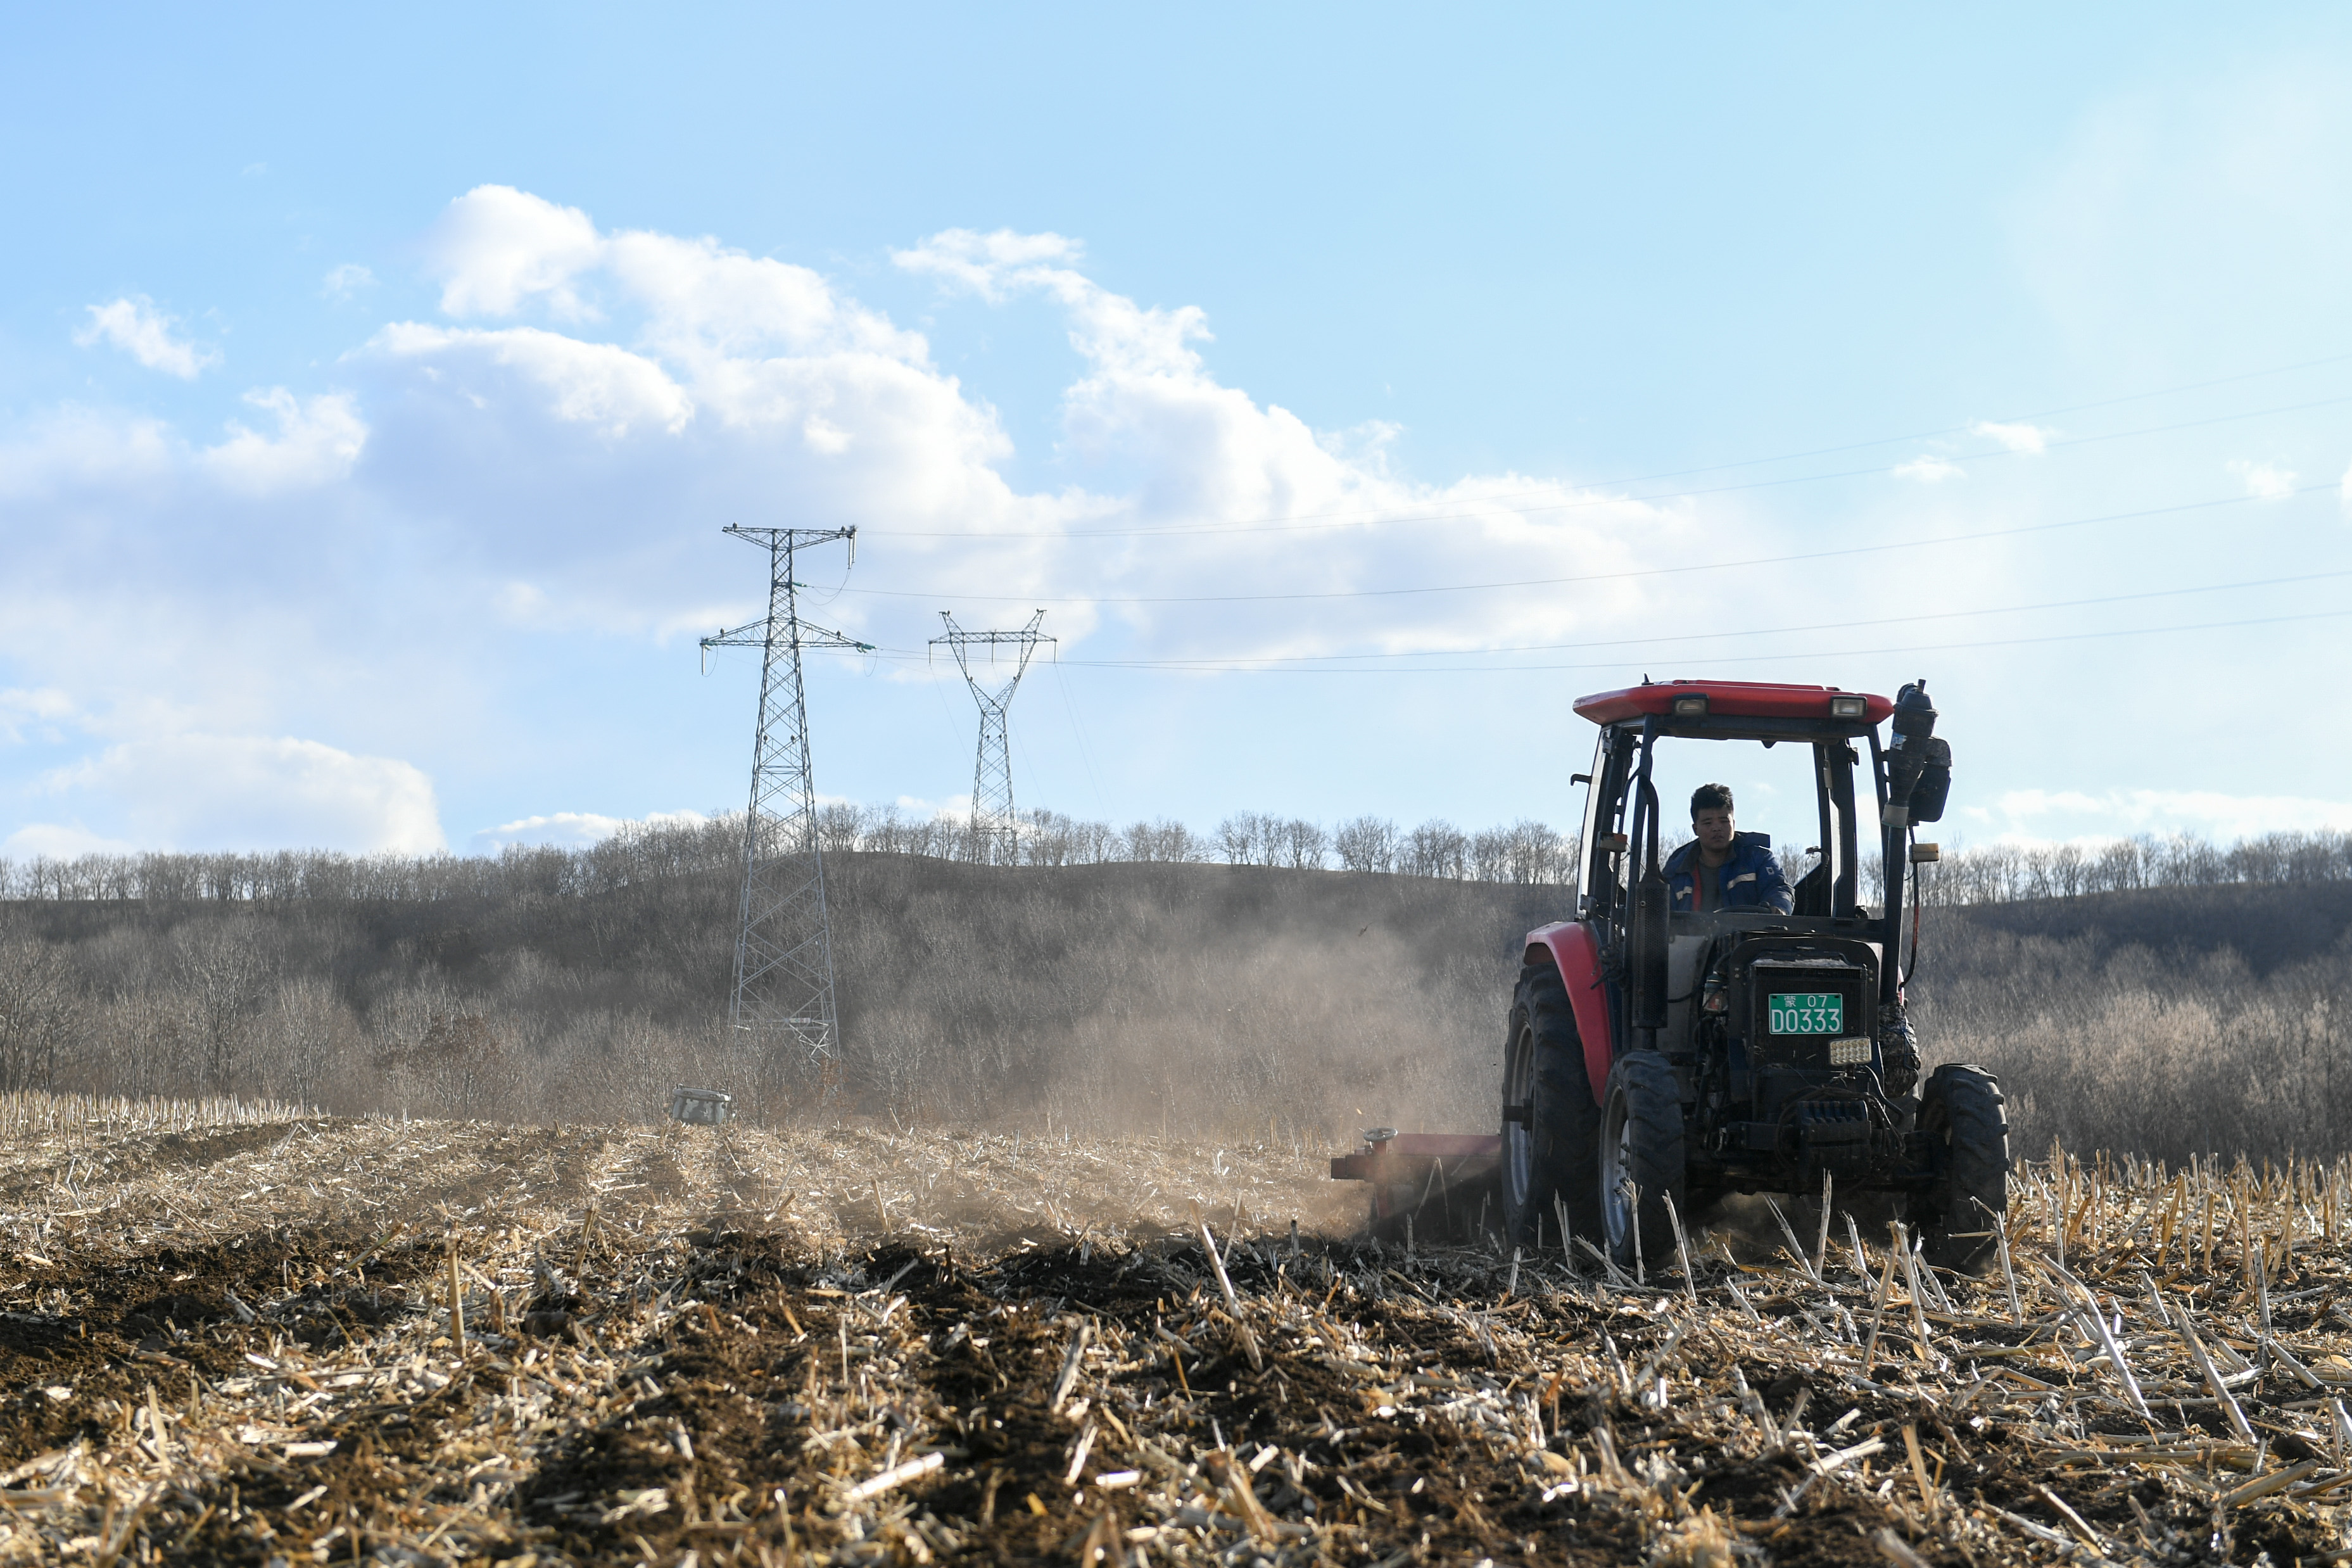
1366	843
307	1040
1250	839
840	825
220	976
39	1010
1165	840
1304	845
1437	849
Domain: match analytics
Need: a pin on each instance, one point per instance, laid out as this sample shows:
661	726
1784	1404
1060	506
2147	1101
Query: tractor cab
1708	956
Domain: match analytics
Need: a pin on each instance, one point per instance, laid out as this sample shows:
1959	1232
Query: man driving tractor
1722	869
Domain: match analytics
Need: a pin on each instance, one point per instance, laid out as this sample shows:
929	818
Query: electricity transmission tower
784	947
995	831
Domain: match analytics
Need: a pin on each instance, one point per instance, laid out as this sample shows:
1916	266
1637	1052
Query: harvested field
233	1343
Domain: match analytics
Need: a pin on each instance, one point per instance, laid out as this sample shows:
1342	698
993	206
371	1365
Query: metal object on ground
699	1107
1437	1180
995	830
783	946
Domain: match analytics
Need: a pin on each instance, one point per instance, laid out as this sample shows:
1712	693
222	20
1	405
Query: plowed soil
857	1344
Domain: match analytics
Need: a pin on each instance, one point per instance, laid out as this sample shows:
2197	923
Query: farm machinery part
1659	1057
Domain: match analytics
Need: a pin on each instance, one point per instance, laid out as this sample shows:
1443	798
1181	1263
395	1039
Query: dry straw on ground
699	1346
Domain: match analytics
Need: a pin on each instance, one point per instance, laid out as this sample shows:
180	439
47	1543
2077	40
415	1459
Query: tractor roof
1729	700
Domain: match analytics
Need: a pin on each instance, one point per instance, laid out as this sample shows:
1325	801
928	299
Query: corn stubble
232	1338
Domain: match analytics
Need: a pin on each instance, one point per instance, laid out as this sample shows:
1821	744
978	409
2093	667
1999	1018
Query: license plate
1806	1013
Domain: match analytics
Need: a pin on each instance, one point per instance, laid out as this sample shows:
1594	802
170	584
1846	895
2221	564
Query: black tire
1966	1121
1548	1158
1641	1139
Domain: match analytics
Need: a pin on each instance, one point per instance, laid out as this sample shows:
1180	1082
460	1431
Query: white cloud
708	303
134	326
84	453
1928	469
496	247
2264	481
236	792
2347	490
1198	457
954	807
2018	437
574	829
343	281
19	708
516	482
1119	336
988	264
317	441
587	383
76	449
60	841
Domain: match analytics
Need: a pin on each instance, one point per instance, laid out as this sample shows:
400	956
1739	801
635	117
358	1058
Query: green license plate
1807	1011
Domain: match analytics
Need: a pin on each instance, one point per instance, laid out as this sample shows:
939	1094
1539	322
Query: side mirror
1934	784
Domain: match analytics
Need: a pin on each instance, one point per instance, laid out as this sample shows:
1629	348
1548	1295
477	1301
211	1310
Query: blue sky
372	393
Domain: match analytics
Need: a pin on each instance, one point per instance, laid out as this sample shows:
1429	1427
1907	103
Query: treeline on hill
1144	993
1524	854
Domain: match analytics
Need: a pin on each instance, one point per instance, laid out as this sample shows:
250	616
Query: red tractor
1659	1053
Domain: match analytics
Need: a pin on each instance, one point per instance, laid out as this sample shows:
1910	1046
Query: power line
1373	518
1231	662
1588	577
1725	658
1970	428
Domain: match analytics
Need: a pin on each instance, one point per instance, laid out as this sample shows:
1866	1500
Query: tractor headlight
1853	1053
1692	706
1847	707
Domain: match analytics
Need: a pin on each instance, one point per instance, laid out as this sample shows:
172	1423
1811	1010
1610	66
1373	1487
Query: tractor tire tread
1567	1113
1964	1103
1657	1162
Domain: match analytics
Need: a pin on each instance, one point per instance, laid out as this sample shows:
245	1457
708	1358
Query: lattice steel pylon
783	945
995	831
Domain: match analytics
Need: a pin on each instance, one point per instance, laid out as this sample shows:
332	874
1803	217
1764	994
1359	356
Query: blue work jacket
1751	879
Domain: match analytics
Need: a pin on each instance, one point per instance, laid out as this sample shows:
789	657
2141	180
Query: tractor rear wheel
1549	1115
1966	1120
1642	1157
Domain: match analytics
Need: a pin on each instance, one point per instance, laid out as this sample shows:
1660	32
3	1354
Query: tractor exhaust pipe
1647	941
1649	956
1909	755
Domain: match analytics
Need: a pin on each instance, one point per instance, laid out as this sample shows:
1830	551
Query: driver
1722	869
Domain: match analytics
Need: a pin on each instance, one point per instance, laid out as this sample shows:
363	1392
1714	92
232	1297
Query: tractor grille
1828	1124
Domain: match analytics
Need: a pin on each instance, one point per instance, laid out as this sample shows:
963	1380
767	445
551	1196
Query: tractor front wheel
1966	1121
1641	1158
1550	1116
